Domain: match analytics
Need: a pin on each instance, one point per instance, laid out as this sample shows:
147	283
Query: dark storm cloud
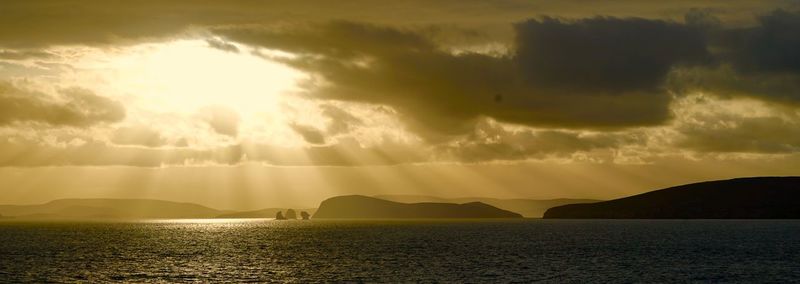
605	55
761	61
773	46
73	107
725	81
53	22
703	18
98	22
595	73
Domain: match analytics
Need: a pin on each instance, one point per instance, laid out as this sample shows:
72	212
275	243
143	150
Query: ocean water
559	251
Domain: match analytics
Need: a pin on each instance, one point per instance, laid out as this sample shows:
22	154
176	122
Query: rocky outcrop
291	214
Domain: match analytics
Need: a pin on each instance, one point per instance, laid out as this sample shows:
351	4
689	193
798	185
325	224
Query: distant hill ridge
741	198
531	208
110	208
364	207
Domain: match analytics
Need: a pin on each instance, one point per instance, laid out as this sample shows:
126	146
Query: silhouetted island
363	207
532	208
305	215
279	216
742	198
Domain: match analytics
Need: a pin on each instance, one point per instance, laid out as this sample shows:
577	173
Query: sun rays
241	107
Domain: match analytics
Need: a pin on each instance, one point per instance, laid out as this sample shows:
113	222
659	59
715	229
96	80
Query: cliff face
363	207
743	198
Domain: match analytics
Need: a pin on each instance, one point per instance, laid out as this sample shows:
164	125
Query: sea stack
279	216
290	214
304	215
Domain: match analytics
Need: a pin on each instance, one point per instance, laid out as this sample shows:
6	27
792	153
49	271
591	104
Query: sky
251	104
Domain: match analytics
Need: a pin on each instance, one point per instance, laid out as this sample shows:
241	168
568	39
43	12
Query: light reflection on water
260	250
205	221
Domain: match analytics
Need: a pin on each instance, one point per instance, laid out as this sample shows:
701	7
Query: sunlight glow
188	90
189	74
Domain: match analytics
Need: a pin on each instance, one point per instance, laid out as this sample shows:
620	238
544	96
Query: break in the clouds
514	81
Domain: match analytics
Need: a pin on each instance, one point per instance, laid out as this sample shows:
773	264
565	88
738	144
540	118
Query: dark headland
741	198
363	207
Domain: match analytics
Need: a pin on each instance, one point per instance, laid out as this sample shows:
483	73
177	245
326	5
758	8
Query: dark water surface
401	251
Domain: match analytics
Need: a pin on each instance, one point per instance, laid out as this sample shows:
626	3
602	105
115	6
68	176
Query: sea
391	251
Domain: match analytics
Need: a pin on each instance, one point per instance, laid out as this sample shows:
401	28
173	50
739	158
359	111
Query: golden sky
250	104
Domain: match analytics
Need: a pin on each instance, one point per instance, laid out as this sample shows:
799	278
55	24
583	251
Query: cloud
557	86
222	120
761	61
772	46
341	120
725	81
222	45
605	55
711	124
766	135
52	22
309	133
139	136
19	152
24	54
703	18
71	107
493	142
594	73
